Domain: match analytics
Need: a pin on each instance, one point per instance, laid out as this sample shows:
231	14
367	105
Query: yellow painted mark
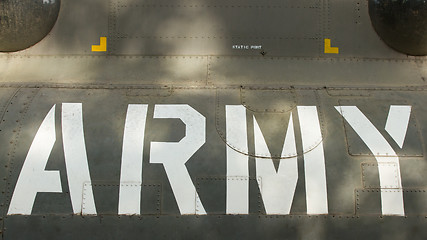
102	47
328	48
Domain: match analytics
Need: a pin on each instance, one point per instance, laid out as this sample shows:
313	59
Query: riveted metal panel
342	171
370	175
62	69
415	199
197	28
268	100
103	131
153	91
353	32
203	70
212	192
342	92
226	97
104	70
273	122
99	132
214	227
14	137
8	97
331	72
376	110
107	197
368	201
79	25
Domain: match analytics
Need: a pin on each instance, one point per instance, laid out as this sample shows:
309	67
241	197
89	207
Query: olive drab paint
277	187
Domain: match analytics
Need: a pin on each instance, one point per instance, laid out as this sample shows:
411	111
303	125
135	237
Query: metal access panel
210	27
376	109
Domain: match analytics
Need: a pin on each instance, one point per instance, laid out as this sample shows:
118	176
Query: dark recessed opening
24	23
401	24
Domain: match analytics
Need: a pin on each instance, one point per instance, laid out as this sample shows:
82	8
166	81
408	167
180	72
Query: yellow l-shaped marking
102	47
328	48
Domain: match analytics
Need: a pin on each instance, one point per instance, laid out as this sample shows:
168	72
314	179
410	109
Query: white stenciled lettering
237	163
240	47
256	47
33	177
76	159
246	47
277	188
314	160
388	161
397	123
131	169
174	155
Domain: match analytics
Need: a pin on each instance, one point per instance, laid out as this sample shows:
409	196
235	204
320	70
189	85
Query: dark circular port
401	24
23	23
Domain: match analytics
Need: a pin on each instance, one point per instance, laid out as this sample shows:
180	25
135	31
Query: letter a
33	177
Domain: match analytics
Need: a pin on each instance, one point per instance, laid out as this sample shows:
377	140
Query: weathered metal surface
401	24
23	23
184	129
